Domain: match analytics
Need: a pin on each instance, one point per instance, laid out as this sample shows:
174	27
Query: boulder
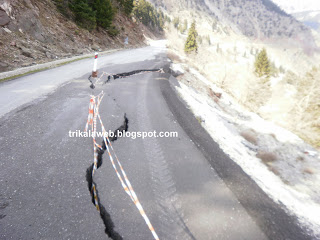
26	52
95	47
4	18
48	55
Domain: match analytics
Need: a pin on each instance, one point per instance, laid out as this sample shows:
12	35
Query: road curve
184	189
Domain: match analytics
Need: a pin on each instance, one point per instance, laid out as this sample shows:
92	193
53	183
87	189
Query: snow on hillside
292	178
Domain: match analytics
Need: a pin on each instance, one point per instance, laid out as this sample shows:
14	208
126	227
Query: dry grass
267	157
173	57
250	136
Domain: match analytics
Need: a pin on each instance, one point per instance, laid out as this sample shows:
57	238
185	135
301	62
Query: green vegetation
41	69
22	74
262	64
84	15
104	12
184	28
176	22
62	7
126	6
191	43
148	15
90	14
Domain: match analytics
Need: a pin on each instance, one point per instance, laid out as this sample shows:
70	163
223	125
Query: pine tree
84	14
104	12
262	64
148	15
128	6
176	22
191	43
184	27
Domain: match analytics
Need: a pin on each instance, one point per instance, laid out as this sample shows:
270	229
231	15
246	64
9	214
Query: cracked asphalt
188	187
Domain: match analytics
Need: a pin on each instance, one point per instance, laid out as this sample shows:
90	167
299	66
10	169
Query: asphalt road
188	187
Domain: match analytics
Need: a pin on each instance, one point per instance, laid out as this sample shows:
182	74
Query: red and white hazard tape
92	120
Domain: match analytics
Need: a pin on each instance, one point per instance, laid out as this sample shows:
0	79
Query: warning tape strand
92	120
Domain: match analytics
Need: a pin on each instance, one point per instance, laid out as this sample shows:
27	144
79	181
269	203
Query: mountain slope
309	18
257	19
307	11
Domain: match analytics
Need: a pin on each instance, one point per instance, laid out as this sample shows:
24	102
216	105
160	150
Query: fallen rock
95	47
26	52
49	55
4	18
7	30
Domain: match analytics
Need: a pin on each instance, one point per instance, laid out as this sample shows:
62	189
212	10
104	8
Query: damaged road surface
44	189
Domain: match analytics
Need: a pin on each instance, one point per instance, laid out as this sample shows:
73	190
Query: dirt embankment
33	31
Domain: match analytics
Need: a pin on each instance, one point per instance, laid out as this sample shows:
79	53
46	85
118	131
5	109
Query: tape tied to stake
94	105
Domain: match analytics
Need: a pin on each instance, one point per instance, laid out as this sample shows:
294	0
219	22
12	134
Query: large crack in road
121	75
105	216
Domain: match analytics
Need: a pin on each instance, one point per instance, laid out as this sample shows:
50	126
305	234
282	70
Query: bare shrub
267	157
250	136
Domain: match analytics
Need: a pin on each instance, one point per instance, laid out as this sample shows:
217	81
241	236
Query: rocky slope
34	31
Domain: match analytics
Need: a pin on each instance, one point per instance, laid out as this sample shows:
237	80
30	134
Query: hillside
309	18
270	120
35	31
260	20
226	56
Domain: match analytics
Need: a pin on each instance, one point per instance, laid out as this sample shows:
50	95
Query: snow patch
301	198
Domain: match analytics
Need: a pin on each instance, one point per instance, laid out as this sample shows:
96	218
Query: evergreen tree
148	15
262	64
84	14
176	22
191	43
184	27
104	12
128	6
